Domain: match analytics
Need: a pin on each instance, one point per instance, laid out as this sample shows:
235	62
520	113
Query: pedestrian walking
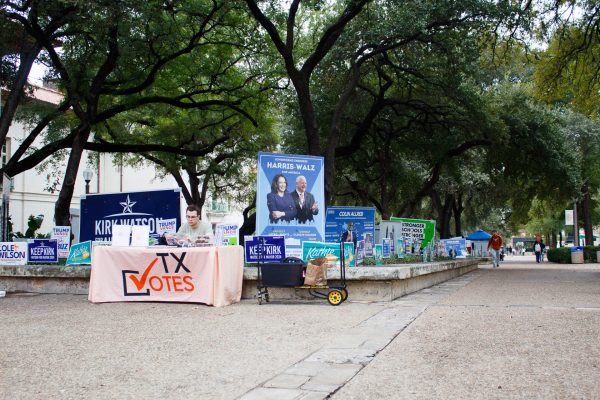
538	249
494	246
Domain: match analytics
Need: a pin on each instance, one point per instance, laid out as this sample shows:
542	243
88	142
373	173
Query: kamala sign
281	210
99	212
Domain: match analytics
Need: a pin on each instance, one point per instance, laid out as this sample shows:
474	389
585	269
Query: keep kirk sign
99	212
42	251
273	248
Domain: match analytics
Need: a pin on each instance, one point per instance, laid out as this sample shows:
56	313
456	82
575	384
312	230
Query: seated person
195	231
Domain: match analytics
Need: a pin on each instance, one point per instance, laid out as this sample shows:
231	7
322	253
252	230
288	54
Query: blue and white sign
290	199
62	234
458	247
363	224
13	253
273	250
387	248
42	251
99	212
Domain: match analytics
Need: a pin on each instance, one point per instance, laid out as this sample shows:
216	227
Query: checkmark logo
139	283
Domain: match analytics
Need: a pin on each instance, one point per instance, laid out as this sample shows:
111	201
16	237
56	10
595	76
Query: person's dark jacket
304	213
354	237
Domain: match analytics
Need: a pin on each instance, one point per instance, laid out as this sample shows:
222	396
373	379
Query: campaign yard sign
349	254
42	251
359	255
273	250
100	212
80	254
418	231
400	248
62	234
314	250
226	235
457	245
13	253
168	226
378	254
280	211
386	248
362	218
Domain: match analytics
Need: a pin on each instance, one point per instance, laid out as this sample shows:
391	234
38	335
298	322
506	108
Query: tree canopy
474	112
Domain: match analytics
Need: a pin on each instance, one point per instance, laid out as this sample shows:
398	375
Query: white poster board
226	235
120	235
62	234
13	253
140	235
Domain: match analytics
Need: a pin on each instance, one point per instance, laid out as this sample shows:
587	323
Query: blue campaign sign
42	251
457	245
363	221
99	212
273	250
290	199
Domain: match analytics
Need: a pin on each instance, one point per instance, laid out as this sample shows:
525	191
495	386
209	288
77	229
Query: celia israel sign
99	212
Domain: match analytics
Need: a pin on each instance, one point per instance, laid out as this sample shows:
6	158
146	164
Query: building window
5	151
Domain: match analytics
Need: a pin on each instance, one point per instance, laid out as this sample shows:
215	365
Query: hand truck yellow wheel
334	297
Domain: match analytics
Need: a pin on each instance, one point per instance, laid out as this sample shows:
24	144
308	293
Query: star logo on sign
127	205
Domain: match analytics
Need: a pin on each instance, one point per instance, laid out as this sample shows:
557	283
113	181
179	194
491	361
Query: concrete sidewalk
524	330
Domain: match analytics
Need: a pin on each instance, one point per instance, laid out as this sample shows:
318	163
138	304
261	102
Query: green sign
349	254
80	253
400	248
416	229
378	254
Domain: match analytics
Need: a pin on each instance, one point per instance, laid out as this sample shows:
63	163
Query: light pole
87	177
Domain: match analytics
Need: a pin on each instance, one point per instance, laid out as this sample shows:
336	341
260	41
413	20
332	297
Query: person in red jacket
494	246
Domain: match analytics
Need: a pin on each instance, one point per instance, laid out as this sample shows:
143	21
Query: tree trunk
444	212
194	184
560	238
586	214
249	225
61	209
408	207
458	209
384	161
446	216
12	102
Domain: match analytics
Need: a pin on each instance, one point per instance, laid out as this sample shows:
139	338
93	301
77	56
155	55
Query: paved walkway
524	330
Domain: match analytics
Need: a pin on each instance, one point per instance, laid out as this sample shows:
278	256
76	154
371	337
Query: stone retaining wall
45	278
373	283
